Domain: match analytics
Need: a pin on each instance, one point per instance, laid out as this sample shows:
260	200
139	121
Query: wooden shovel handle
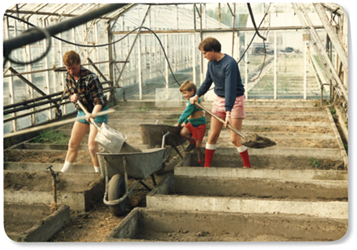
87	113
53	124
221	120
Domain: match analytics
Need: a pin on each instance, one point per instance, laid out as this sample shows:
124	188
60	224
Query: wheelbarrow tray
139	165
151	134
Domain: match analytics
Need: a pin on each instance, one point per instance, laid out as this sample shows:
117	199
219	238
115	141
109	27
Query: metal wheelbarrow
151	135
117	168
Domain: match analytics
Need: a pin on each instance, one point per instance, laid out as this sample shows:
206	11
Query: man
229	102
83	86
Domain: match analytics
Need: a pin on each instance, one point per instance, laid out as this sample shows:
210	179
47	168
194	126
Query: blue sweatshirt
226	77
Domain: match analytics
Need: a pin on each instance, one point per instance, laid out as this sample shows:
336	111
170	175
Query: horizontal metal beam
46	13
59	69
216	30
31	85
27	102
38	104
35	35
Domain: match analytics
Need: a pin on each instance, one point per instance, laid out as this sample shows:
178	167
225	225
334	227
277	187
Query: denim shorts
98	119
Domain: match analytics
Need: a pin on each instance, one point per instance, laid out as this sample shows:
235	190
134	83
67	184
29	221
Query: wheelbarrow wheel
116	191
161	170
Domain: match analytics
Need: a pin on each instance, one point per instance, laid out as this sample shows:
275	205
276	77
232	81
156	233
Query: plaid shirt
88	88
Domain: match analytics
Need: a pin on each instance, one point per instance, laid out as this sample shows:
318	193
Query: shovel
250	141
107	137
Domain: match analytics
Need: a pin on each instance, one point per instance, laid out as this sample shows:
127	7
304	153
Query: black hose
36	35
253	21
101	45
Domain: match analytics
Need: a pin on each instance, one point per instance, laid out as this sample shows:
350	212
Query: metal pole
35	35
166	64
47	74
305	69
132	46
246	65
194	58
275	65
234	22
139	70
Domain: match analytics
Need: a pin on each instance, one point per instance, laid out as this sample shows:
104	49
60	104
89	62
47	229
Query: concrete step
254	112
153	225
250	195
289	158
76	190
281	174
35	223
35	166
145	104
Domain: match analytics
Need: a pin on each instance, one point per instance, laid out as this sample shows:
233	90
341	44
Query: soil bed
91	226
42	181
287	143
54	156
34	223
292	118
189	226
287	129
268	162
256	188
16	220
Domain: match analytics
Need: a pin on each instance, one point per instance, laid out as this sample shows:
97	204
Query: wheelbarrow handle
163	139
221	120
87	113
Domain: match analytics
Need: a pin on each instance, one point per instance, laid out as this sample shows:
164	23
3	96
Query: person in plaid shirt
83	85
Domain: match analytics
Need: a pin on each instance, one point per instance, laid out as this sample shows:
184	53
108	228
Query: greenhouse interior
292	59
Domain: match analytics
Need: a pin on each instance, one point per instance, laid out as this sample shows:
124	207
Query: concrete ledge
276	135
286	123
41	229
162	114
280	103
30	166
250	196
48	146
146	224
338	210
135	122
326	153
339	140
229	158
262	173
76	190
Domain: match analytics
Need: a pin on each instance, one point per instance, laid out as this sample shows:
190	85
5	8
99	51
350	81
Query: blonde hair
71	58
188	86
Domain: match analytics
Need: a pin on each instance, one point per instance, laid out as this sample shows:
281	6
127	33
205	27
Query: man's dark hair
209	44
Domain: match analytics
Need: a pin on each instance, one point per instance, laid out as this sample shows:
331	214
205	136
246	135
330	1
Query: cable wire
101	45
49	43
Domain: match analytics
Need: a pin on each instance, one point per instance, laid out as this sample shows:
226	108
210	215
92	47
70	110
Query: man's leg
78	132
215	130
236	140
93	147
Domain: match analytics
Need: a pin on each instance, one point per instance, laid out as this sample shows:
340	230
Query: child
194	121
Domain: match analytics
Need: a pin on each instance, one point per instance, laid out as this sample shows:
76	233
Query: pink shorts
237	111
